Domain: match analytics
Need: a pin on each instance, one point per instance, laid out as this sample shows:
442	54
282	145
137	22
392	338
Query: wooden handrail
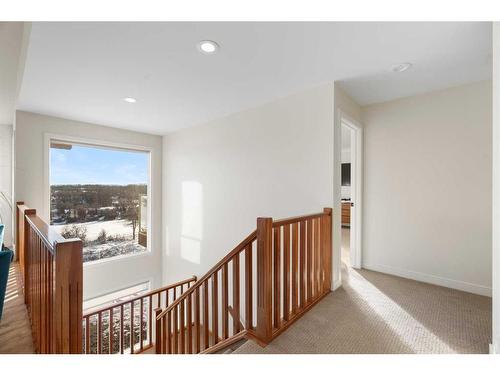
198	321
144	295
252	236
52	271
293	259
296	219
110	329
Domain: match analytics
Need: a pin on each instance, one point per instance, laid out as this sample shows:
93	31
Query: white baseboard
492	349
336	284
431	279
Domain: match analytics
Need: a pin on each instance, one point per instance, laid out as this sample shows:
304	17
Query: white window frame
97	143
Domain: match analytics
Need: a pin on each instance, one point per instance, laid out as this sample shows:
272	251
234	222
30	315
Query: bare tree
132	215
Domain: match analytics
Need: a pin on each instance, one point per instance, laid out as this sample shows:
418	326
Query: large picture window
100	195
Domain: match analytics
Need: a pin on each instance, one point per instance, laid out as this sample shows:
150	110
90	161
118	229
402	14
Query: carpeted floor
377	313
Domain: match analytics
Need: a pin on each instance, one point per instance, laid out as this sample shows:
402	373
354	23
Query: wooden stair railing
52	272
127	326
257	291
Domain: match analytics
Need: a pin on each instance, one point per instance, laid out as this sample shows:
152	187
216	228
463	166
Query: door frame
356	187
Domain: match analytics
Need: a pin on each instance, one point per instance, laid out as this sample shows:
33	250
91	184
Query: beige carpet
378	313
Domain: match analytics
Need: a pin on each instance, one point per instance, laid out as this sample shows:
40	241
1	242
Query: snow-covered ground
112	227
95	251
111	249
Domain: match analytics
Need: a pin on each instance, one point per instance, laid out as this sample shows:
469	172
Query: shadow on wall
192	221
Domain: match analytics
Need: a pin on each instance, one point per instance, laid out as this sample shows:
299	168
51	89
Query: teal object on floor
6	256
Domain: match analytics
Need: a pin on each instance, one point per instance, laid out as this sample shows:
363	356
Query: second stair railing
256	291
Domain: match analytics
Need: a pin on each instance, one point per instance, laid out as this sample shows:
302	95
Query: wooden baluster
205	315
50	305
168	336
189	325
132	327
141	322
225	308
264	279
314	260
302	264
309	261
87	335
122	331
182	328
158	332
277	277
318	256
163	327
197	319
248	288
37	290
47	301
111	331
43	333
36	305
286	272
39	293
28	252
175	333
215	308
99	334
236	293
295	266
150	327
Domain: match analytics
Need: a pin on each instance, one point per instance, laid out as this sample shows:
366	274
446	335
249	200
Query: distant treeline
81	200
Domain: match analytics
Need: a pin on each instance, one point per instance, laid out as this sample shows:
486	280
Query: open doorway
351	182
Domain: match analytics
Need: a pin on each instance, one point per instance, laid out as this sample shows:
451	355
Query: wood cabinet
346	214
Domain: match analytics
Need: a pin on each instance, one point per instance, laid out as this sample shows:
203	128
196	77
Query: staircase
261	287
256	291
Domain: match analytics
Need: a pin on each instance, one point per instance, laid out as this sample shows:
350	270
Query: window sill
119	258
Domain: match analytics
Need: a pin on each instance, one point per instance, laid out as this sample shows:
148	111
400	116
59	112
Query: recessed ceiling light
401	67
130	100
208	47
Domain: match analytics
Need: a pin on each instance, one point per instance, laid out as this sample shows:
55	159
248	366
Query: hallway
378	313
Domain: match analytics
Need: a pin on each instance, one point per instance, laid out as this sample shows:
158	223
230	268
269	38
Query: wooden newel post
158	331
264	279
27	254
18	235
68	297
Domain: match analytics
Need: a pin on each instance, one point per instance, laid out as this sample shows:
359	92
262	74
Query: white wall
275	160
496	188
427	189
111	275
6	180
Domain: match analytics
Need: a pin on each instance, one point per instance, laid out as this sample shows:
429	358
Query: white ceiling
83	70
10	47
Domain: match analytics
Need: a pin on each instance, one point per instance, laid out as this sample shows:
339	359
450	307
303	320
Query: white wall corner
336	284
